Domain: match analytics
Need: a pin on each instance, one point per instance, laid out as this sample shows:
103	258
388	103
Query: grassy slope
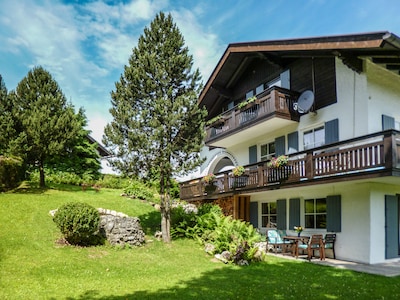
34	267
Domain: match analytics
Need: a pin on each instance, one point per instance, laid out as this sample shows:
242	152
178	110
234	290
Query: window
274	82
249	94
260	89
314	138
396	125
267	151
315	213
268	214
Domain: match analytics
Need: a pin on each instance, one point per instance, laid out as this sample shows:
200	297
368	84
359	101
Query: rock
209	248
221	258
121	230
242	262
226	255
158	235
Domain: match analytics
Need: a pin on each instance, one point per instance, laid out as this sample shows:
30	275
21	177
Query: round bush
78	222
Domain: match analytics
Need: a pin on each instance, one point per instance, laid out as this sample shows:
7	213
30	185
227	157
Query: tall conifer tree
44	121
158	128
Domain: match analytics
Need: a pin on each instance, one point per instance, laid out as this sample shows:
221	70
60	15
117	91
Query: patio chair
275	241
329	242
316	242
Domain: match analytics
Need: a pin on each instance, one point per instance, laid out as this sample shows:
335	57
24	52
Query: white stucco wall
362	238
383	95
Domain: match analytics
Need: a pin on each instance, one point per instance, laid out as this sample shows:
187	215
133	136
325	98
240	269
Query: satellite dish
305	102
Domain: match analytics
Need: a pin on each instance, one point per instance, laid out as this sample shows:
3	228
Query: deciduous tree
158	126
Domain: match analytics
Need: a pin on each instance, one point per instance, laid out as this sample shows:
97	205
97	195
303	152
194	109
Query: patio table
296	239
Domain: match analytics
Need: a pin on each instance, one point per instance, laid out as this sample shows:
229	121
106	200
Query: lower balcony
374	155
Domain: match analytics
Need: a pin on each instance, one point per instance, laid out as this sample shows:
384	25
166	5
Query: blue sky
85	44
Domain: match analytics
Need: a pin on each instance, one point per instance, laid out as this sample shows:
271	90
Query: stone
226	255
118	228
221	258
209	248
121	230
242	262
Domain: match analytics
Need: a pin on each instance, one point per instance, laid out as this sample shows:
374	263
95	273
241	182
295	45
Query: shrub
10	172
79	223
181	221
62	177
113	181
210	226
139	190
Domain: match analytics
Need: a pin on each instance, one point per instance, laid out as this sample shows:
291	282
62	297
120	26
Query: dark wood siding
324	79
257	72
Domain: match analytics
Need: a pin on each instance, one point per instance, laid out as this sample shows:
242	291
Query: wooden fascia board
308	46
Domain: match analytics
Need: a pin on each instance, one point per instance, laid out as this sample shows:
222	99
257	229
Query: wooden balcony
370	156
275	102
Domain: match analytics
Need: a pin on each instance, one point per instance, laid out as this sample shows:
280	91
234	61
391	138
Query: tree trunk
42	183
165	218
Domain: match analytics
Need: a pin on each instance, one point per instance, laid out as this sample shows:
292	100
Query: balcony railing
274	102
368	156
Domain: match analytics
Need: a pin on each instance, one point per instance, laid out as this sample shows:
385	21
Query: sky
86	44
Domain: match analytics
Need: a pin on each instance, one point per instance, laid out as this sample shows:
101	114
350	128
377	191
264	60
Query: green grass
33	266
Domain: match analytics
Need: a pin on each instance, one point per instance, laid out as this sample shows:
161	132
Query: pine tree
80	156
44	121
7	131
158	128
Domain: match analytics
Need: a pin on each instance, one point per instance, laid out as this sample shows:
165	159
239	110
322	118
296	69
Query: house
332	106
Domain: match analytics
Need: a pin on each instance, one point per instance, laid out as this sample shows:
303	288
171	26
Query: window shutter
254	214
293	142
332	131
253	154
294	213
281	214
387	122
334	213
280	145
391	227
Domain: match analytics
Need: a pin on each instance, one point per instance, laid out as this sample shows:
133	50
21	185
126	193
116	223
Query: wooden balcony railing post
226	182
309	166
260	170
389	150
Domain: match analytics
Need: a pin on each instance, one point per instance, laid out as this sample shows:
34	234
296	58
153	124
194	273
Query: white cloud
205	46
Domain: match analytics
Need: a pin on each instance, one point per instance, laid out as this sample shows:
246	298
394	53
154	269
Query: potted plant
248	103
216	121
209	183
298	229
280	161
209	178
279	170
240	178
238	171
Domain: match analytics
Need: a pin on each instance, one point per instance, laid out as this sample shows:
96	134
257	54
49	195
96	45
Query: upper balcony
270	110
367	157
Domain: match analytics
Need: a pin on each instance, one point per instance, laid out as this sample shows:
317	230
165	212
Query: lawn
34	266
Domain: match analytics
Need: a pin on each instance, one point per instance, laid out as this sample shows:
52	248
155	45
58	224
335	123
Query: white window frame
269	155
313	143
314	213
266	215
